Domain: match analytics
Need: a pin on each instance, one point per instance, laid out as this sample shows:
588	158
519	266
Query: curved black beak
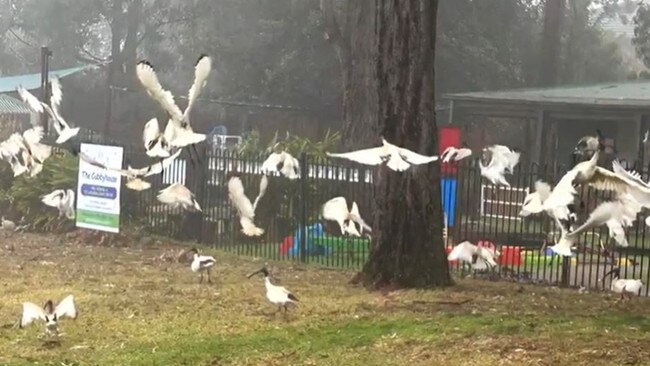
263	271
613	271
254	273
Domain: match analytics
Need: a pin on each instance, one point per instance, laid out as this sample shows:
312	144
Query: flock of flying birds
495	162
630	194
26	154
336	209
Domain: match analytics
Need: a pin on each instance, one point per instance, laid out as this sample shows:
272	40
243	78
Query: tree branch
89	56
20	38
88	60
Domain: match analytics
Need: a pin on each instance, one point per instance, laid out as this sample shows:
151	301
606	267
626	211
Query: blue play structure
313	231
448	193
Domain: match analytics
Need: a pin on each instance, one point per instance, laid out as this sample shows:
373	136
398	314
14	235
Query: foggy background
274	68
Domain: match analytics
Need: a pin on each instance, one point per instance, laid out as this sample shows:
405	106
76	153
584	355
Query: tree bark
114	66
551	42
408	249
129	53
352	36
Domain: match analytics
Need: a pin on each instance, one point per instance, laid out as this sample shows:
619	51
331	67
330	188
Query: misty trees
266	51
642	33
392	79
551	41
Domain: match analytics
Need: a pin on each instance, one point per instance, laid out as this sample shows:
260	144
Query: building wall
10	123
628	134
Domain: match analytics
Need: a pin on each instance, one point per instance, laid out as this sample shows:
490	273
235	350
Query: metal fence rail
290	214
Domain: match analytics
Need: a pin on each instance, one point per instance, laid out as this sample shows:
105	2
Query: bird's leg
189	152
196	152
209	280
279	309
201	278
162	171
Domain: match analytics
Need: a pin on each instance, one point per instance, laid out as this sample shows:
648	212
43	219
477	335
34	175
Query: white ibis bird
178	196
63	200
155	144
25	152
202	263
588	145
616	215
277	295
49	314
62	128
533	202
564	194
496	161
282	162
243	205
133	175
178	131
631	192
12	152
7	225
480	258
623	286
452	154
337	210
396	158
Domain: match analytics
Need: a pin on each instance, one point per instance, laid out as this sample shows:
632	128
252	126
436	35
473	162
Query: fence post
45	72
566	267
203	188
303	208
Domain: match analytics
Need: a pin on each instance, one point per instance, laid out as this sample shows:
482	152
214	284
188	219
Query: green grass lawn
135	310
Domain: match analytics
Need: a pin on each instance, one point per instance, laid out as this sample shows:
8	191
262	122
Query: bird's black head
145	62
49	307
486	156
194	250
201	57
233	174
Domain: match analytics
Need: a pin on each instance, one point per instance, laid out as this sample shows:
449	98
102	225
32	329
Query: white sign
98	190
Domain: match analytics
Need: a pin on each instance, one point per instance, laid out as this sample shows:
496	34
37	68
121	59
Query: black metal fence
290	214
289	211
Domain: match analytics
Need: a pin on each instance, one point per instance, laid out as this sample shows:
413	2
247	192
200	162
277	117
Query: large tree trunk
551	42
349	26
114	66
408	249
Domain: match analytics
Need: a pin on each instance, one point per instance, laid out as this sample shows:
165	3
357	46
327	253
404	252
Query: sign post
98	190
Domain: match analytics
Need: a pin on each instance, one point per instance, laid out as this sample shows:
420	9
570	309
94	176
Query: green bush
24	194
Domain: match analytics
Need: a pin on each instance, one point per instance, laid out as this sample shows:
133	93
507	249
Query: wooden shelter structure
556	118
